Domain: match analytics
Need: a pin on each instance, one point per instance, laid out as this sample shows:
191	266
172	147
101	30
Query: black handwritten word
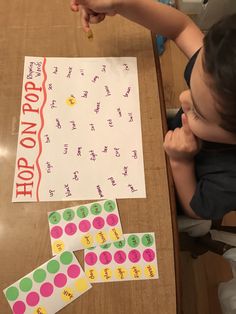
47	138
79	151
126	67
99	191
106	273
127	93
125	173
95	79
105	149
85	94
108	93
112	180
117	154
55	70
121	272
68	294
119	112
92	155
97	108
35	69
73	125
69	73
135	155
110	123
130	117
151	273
136	272
65	151
49	167
76	175
50	86
51	193
58	124
132	189
67	190
91	274
103	68
92	128
52	104
82	71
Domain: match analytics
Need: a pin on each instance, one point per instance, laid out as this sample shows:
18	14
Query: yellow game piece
90	34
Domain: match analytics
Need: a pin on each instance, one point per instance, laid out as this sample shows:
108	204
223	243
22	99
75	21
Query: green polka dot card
133	258
48	288
84	226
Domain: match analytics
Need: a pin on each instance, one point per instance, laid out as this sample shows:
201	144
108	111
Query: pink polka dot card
133	258
48	288
84	226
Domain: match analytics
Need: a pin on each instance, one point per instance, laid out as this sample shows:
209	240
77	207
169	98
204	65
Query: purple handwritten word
103	68
108	93
52	104
110	123
135	155
112	180
97	108
85	94
99	191
132	189
50	86
79	151
69	73
105	149
73	125
51	193
92	155
125	171
119	112
55	70
117	154
67	190
92	128
58	124
131	119
95	78
76	175
127	92
65	149
47	138
81	71
48	167
126	67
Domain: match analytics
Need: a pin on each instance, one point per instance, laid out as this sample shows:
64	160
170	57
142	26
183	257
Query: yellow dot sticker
92	274
82	285
71	101
150	271
87	240
106	274
58	246
135	272
121	273
101	237
40	310
67	294
115	234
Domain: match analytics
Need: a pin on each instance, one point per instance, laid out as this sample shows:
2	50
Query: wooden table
48	28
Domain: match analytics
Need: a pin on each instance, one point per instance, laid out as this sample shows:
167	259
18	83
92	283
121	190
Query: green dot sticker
53	266
66	258
54	218
39	275
96	209
12	293
26	284
82	211
109	206
147	239
133	240
68	214
119	244
105	246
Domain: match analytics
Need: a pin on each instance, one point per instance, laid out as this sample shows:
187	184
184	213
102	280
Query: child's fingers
85	20
185	124
96	18
74	5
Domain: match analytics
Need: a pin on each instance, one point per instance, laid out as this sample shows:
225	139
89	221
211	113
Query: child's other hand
181	144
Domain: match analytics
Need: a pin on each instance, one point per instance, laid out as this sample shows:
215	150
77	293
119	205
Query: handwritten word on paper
79	116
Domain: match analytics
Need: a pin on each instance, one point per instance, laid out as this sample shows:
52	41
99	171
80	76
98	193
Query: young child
201	142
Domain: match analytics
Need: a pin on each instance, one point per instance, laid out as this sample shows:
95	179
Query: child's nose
185	100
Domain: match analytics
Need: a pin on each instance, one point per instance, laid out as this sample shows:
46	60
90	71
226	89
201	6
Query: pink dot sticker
32	298
148	255
98	223
73	271
56	232
105	257
120	257
60	280
84	225
70	228
112	220
134	256
19	307
91	258
46	289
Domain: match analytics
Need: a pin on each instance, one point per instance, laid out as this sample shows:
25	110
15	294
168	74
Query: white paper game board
80	130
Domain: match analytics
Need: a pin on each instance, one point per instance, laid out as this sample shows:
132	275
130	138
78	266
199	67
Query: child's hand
181	144
90	17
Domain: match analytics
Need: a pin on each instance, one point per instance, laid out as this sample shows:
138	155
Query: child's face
200	106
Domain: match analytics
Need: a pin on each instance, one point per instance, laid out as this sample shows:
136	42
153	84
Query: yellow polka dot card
84	226
48	288
79	130
133	258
